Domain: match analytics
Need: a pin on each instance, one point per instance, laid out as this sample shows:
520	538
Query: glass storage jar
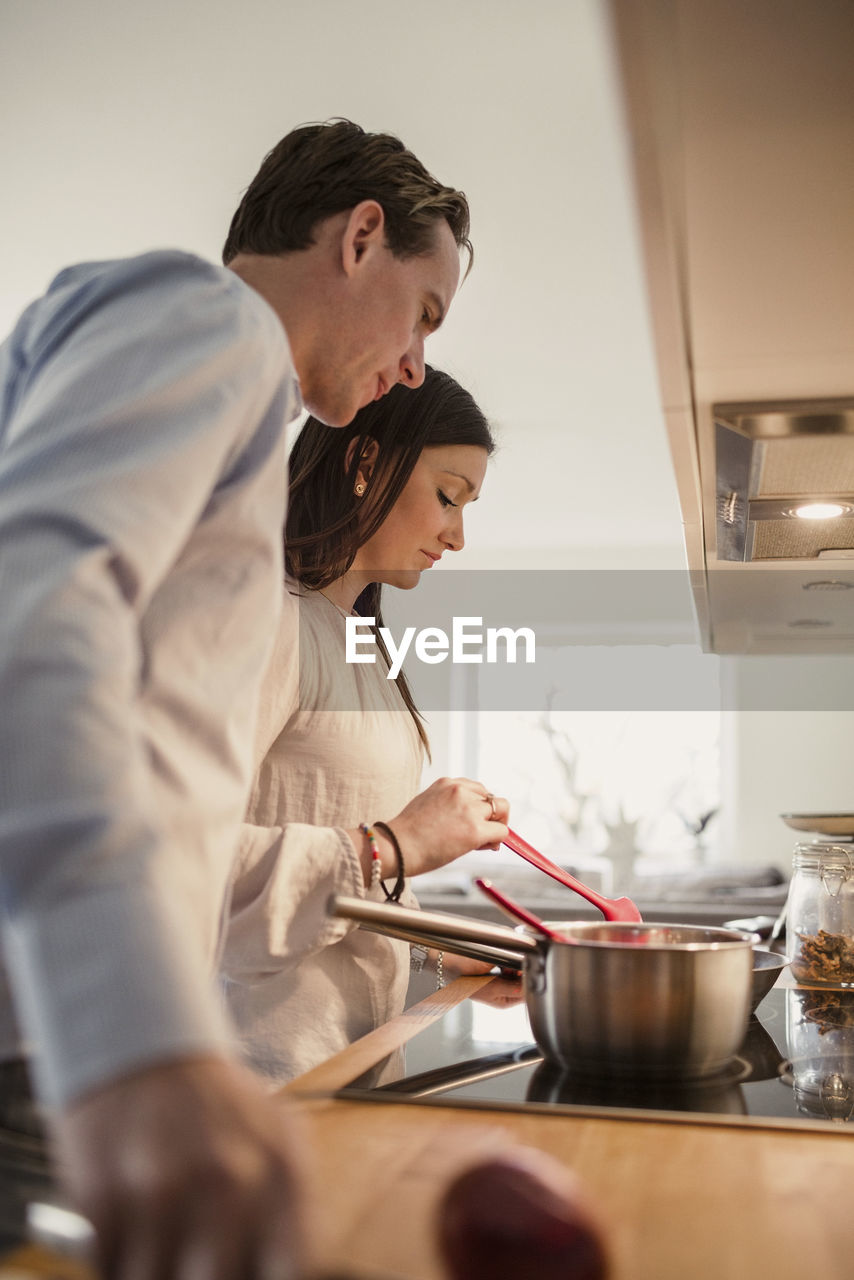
820	1043
820	915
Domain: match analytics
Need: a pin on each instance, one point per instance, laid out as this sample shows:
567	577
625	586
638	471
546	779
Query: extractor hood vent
785	480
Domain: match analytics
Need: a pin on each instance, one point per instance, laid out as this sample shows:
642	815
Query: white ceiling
130	126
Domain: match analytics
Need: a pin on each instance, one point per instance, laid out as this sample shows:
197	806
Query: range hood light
820	510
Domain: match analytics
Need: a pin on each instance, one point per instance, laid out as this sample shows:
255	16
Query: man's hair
319	170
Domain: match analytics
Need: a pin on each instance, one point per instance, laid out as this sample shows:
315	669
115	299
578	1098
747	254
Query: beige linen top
337	747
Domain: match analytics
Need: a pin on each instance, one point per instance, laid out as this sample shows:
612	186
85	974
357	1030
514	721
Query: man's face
375	336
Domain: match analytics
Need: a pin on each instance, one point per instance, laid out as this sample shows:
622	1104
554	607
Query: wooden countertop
683	1201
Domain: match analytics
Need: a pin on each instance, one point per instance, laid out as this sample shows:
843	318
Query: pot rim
723	939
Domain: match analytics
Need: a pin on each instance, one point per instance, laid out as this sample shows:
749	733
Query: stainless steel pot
652	1000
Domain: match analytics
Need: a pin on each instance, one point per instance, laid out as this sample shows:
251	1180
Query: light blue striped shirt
142	491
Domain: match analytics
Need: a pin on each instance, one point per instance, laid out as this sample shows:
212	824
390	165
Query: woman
341	746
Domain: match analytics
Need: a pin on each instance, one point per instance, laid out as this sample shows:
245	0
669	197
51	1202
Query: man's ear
367	460
363	231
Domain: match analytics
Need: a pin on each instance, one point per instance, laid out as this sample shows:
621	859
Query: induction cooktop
794	1069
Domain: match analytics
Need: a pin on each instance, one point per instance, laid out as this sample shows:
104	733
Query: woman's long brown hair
327	522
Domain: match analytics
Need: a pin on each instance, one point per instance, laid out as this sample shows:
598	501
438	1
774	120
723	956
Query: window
615	792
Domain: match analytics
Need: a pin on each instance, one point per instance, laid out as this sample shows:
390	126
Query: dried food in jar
830	1010
824	957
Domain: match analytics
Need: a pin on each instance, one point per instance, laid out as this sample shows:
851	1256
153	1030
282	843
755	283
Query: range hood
740	120
785	480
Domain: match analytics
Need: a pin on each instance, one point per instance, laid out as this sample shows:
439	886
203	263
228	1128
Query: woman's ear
367	462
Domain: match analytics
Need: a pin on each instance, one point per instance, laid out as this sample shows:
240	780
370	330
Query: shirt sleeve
284	879
284	875
141	398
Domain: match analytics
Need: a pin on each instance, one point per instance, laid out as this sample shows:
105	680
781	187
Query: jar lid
821	856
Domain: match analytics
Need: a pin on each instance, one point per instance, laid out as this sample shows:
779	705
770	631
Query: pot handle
476	938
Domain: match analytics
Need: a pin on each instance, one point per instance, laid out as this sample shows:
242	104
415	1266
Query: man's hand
187	1170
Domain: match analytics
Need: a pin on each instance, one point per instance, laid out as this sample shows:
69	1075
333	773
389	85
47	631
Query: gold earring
359	489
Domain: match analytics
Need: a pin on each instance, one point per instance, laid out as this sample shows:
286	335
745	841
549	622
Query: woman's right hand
452	817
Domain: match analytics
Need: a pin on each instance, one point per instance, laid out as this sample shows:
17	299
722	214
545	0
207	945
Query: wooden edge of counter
33	1260
362	1054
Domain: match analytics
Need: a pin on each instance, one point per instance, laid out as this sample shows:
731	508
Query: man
142	480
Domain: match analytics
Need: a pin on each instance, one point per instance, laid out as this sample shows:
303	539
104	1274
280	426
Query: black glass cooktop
795	1068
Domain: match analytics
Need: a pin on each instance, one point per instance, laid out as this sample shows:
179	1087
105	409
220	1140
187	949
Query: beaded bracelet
376	859
394	896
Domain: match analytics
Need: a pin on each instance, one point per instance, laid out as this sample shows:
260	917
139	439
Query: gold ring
491	798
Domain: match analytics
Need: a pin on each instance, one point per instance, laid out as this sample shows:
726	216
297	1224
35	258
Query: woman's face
427	519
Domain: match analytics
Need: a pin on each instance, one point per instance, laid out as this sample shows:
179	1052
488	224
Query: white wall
785	761
131	125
